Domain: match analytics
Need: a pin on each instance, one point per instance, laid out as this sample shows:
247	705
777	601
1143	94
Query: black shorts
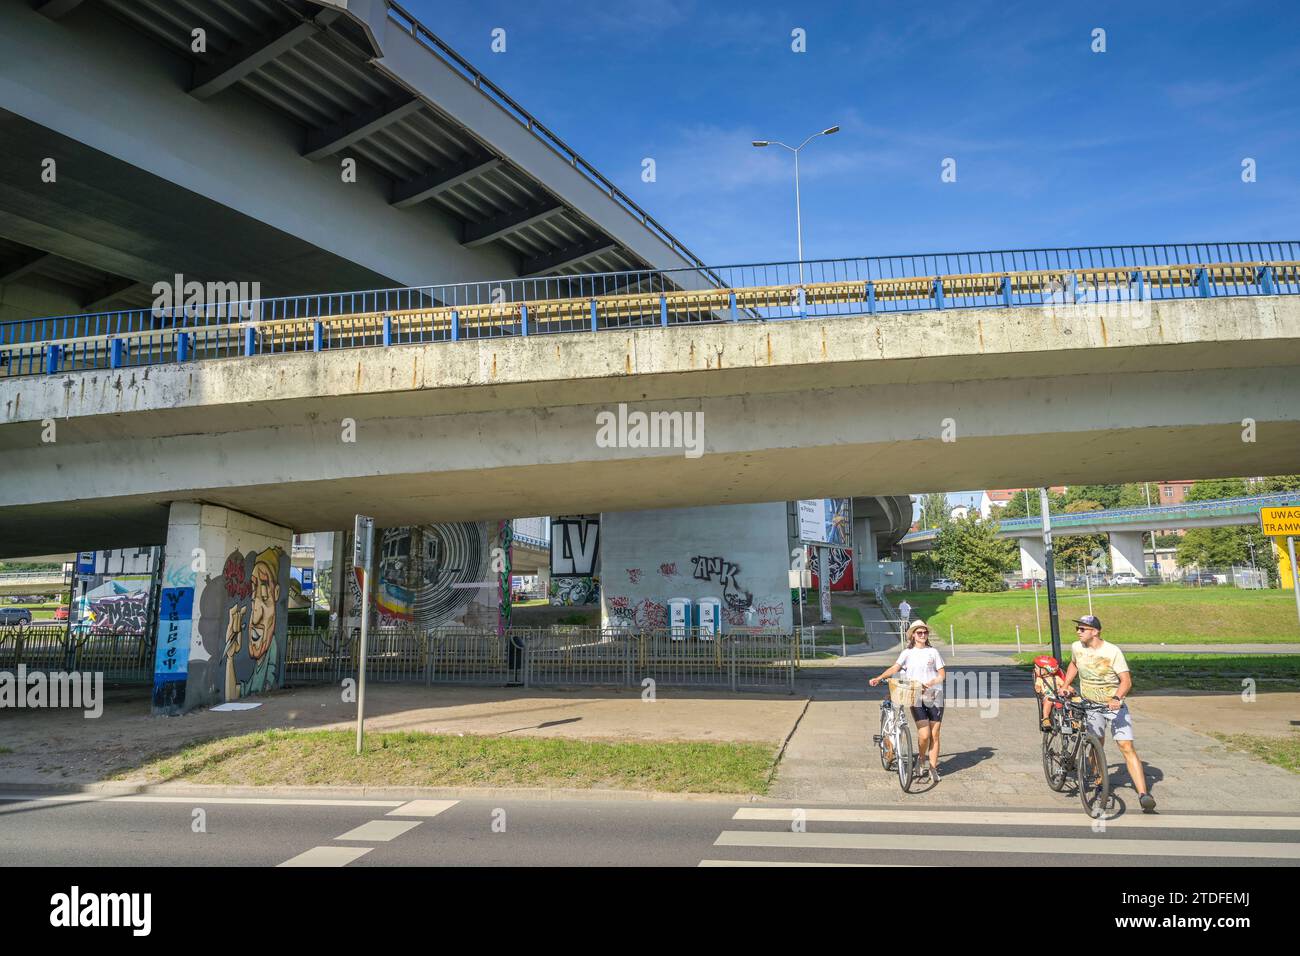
930	712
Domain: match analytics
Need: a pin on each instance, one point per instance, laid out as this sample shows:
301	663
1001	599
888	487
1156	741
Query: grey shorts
1121	724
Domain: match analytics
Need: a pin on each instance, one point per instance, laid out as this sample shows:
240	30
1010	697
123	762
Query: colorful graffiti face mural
255	618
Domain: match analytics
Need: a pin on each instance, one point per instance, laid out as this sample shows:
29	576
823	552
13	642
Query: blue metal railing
1188	510
1119	275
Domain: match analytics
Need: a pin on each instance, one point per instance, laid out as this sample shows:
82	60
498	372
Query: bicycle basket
904	693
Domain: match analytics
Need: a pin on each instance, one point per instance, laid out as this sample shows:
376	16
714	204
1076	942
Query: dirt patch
1208	714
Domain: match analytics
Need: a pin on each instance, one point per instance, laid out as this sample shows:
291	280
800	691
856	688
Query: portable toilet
679	618
708	618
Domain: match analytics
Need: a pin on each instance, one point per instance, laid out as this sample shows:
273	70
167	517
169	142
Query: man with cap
1104	678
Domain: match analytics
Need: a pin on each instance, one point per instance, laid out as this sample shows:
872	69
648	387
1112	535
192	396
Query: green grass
1170	614
1280	751
1208	672
410	759
6	750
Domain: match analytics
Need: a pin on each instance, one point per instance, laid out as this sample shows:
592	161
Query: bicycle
1072	748
895	734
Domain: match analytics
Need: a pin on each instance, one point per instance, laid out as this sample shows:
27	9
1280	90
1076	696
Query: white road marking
776	863
1046	845
328	856
422	808
196	800
379	831
1013	818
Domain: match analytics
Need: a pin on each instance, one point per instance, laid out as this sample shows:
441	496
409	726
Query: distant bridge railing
1189	510
1120	276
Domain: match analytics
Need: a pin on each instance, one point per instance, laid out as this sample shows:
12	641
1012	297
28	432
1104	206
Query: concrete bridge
864	400
1124	527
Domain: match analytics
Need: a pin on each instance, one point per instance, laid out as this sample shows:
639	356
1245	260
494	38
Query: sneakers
1147	802
1046	725
934	774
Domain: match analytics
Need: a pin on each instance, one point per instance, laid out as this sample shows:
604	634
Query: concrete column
223	618
1033	557
864	555
1126	552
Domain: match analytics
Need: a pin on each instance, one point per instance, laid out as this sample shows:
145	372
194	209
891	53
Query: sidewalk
998	759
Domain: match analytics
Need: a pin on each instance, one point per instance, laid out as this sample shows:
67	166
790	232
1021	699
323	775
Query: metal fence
1117	275
559	656
127	658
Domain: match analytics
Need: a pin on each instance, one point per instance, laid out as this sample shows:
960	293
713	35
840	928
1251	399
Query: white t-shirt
922	664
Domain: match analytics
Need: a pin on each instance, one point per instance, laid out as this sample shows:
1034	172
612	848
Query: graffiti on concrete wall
119	613
243	627
841	560
571	591
643	614
575	545
426	577
726	573
172	653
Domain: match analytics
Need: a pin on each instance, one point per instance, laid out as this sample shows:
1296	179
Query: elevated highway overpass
128	157
842	385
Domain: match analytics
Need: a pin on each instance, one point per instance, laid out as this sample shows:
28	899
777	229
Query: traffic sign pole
363	549
1295	573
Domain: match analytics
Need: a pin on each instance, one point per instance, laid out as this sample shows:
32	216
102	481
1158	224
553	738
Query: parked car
61	613
945	584
15	615
1200	578
1126	578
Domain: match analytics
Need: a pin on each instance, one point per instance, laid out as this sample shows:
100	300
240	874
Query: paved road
85	830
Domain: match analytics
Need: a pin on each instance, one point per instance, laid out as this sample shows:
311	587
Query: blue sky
1055	144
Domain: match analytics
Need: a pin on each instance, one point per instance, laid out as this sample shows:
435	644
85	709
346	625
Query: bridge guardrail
522	307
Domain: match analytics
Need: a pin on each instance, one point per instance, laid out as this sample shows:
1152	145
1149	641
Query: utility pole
1050	562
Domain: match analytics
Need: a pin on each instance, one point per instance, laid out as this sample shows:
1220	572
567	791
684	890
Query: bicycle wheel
1054	752
886	750
906	756
1094	778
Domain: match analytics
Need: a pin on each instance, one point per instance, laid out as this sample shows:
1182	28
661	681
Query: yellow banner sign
1280	522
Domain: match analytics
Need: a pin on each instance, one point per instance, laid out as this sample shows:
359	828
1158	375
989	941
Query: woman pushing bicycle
922	663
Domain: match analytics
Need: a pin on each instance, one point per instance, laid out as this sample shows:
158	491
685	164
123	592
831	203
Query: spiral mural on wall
420	568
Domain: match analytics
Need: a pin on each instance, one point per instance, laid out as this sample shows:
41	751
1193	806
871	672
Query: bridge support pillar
865	559
1127	553
1033	558
223	608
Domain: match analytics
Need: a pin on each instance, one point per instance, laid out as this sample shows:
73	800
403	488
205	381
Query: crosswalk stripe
195	800
422	808
1013	818
379	831
328	856
1097	846
800	863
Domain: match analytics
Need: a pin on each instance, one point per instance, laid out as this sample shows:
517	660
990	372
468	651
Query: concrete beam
33	260
437	181
325	142
481	233
563	258
212	78
54	9
1126	553
1033	558
113	289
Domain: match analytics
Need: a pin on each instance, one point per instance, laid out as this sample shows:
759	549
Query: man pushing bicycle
1104	678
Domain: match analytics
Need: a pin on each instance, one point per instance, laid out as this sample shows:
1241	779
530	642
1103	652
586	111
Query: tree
969	550
934	510
1215	488
1133	494
1106	496
1276	483
1018	507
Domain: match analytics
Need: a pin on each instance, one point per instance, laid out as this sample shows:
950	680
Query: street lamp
798	215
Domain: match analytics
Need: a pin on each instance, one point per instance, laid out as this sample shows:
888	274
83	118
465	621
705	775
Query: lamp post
798	214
